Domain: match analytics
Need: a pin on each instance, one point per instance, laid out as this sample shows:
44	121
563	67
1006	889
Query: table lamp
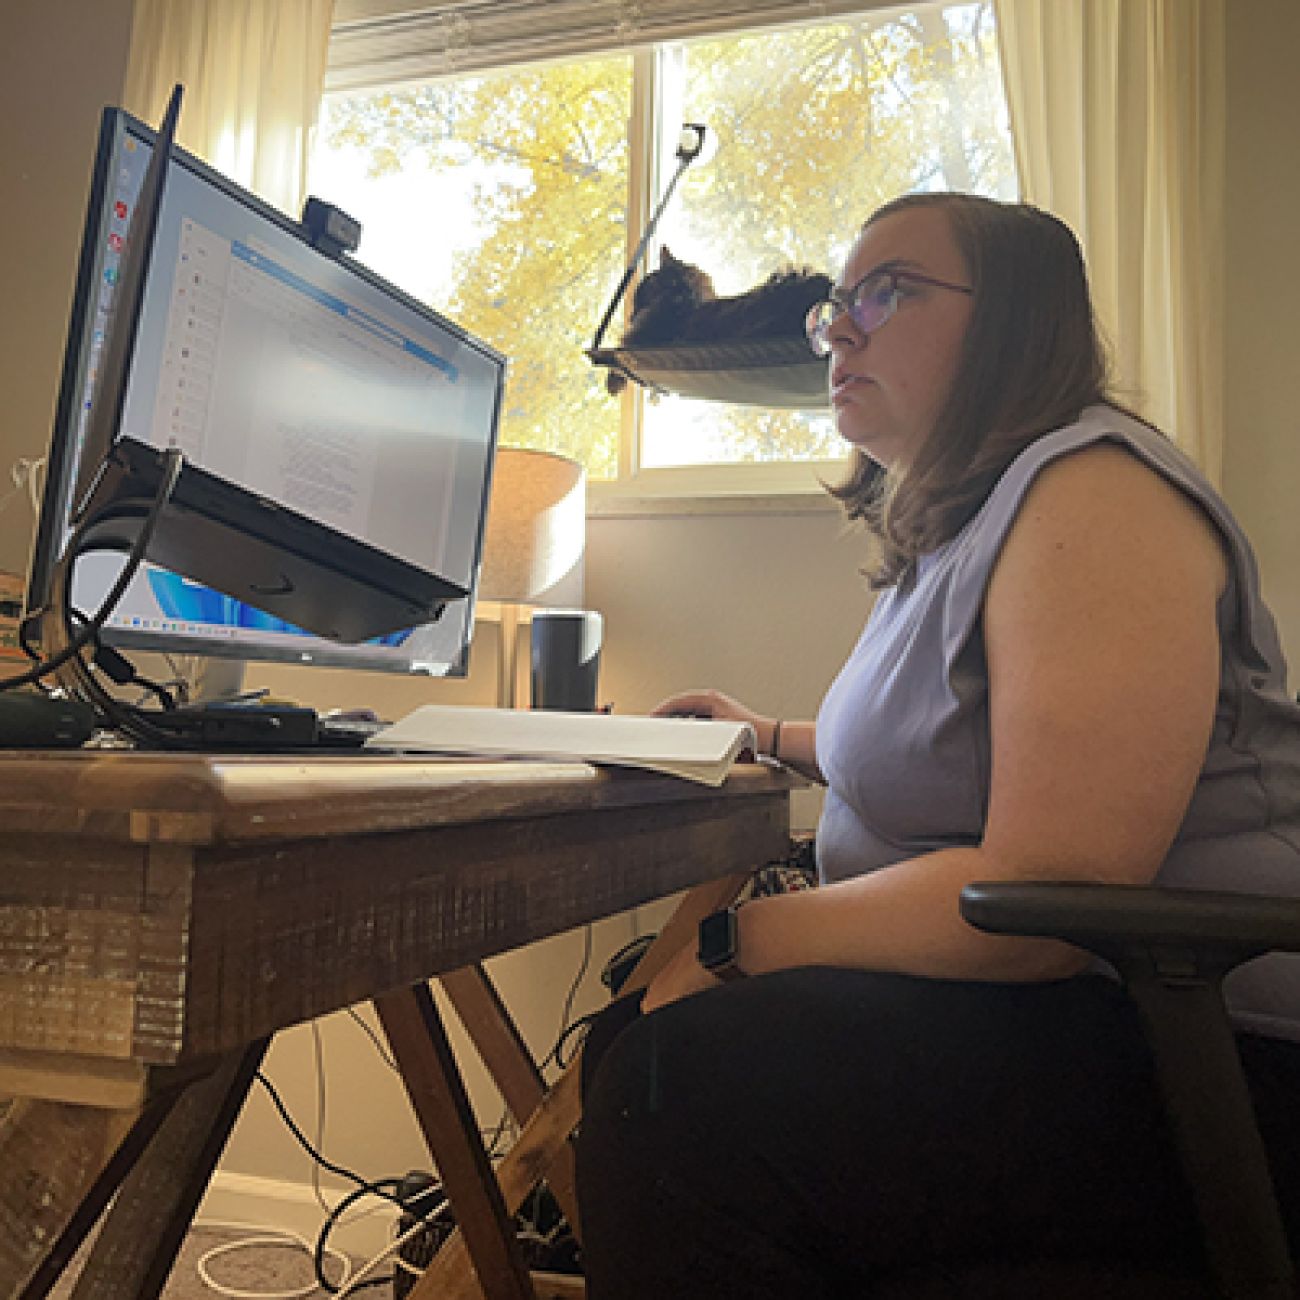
533	547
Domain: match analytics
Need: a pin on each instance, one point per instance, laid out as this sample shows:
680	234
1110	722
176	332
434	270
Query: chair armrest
1222	929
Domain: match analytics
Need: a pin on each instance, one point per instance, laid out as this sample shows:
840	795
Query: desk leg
449	1276
56	1160
437	1093
497	1040
101	1190
135	1250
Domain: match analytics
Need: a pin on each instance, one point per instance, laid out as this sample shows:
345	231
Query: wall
61	61
1262	322
763	606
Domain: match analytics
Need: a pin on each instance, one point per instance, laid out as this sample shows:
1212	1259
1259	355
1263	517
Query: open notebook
694	748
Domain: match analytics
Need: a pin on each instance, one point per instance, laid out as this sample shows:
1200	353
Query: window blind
378	42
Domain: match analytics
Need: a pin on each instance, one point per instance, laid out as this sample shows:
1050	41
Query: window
511	200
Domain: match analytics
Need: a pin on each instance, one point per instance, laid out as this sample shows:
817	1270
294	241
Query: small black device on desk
239	725
34	720
259	728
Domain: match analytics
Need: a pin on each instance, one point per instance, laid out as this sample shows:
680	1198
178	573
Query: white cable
429	1220
361	1210
350	1286
272	1237
318	1055
25	473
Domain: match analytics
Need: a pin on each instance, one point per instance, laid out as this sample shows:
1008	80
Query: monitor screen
298	376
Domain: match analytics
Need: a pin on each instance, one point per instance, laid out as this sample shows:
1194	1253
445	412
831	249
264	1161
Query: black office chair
1172	948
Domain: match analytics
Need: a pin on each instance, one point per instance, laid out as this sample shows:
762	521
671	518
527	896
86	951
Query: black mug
566	659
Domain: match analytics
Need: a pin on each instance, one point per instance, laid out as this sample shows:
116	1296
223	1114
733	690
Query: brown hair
1030	362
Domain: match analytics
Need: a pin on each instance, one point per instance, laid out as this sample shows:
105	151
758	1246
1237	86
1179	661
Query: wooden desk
162	915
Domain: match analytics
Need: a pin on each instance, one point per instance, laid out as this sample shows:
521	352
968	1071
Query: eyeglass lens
870	304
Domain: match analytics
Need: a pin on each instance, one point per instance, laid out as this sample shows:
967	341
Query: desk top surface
196	799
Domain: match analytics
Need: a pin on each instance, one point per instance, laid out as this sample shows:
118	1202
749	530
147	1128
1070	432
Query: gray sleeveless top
903	732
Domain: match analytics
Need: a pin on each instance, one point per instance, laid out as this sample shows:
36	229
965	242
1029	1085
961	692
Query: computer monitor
297	376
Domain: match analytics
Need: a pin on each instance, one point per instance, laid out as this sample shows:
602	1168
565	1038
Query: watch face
717	939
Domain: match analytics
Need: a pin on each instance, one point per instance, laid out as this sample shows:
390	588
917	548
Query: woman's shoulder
1107	487
1105	499
1111	490
1107	459
1097	428
1101	473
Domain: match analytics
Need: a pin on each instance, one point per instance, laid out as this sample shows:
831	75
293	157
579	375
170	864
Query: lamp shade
536	530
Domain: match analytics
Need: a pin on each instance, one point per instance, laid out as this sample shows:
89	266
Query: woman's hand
793	743
714	704
679	979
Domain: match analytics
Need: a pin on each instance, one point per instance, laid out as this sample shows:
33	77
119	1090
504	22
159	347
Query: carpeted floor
269	1269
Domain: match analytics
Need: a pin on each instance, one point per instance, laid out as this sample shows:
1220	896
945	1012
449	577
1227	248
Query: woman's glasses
869	303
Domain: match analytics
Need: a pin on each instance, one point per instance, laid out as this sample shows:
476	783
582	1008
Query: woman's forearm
792	743
903	919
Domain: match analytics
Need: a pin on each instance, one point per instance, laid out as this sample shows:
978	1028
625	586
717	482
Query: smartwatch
719	940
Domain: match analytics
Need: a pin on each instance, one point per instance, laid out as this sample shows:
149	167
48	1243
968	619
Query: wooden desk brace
543	1148
496	1038
437	1095
58	1169
159	1172
41	1123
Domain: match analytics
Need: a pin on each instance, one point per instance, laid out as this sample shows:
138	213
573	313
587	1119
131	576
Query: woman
1069	675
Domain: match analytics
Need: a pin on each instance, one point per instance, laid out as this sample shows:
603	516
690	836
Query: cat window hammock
781	372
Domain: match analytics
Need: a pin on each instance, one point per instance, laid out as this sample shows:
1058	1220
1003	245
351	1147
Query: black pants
816	1132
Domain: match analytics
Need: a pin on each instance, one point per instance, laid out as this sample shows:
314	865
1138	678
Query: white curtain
1117	111
253	72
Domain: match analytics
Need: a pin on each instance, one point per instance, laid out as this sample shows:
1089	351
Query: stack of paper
695	748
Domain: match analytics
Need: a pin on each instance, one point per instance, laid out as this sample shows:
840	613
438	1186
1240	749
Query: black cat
677	304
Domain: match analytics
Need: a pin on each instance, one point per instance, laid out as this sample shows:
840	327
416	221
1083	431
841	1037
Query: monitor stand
213	677
208	678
